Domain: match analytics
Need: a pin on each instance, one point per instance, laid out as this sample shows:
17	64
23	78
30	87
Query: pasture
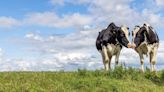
117	80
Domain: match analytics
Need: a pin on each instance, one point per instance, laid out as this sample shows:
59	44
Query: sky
52	35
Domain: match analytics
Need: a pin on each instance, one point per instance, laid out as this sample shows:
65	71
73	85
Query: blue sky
59	34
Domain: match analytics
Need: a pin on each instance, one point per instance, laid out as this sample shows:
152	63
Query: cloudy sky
49	35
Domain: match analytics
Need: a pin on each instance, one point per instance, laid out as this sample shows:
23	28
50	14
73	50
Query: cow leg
110	58
141	61
151	55
117	58
105	58
110	53
153	59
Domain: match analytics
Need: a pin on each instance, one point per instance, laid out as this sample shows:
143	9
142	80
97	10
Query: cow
145	41
110	41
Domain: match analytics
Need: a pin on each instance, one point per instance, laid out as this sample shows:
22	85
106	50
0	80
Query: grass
119	79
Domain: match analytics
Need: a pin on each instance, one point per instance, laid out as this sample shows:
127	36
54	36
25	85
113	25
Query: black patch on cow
152	36
109	37
139	38
99	40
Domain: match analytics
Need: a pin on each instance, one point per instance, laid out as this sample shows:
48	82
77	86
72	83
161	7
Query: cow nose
129	45
133	45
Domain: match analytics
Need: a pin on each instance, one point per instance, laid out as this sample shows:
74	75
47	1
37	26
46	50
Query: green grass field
117	80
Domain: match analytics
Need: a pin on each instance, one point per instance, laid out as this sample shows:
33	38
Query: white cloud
62	2
1	54
33	36
99	13
8	21
160	3
156	20
121	12
51	19
57	2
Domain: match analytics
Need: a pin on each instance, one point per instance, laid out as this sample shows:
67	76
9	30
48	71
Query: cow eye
128	28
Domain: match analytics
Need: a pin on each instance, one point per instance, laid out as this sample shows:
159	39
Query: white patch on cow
136	29
126	32
114	50
104	53
105	58
154	57
110	48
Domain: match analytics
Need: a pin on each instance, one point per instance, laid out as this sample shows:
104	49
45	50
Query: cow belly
151	47
113	49
146	49
142	49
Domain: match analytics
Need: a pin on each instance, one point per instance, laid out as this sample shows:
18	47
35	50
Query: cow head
123	36
138	35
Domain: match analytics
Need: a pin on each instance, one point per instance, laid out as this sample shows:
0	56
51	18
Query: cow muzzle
133	45
129	45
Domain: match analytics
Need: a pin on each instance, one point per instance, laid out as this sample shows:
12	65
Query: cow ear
144	24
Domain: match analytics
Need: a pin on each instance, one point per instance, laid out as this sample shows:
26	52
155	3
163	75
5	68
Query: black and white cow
145	42
110	41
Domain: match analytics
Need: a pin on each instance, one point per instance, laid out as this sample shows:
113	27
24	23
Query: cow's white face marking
126	32
134	32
